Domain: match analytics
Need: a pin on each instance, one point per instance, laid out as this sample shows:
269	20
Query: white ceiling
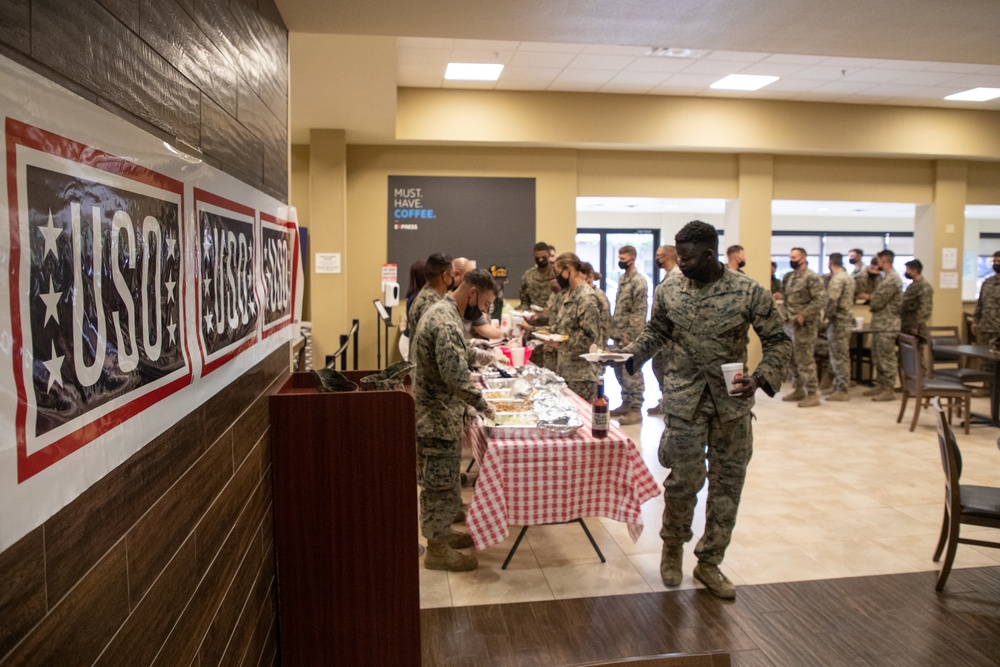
630	69
795	208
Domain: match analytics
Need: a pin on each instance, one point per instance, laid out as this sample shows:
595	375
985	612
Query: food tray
499	383
499	392
524	432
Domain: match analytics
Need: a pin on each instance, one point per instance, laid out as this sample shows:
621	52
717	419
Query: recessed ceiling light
473	72
975	95
823	209
743	82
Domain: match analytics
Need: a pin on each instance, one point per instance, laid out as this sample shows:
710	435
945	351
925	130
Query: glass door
600	248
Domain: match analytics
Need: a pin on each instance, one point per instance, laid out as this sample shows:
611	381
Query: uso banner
137	277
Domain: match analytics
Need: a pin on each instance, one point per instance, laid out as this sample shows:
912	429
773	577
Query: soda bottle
599	412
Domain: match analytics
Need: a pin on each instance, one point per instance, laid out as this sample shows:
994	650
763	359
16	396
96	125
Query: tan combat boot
839	396
633	416
712	577
670	564
620	410
810	401
457	540
872	392
796	395
656	409
440	556
886	394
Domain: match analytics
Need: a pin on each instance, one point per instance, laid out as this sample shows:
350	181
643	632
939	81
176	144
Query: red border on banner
29	136
292	227
216	200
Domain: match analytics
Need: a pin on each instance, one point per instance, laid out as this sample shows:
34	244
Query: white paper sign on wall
328	262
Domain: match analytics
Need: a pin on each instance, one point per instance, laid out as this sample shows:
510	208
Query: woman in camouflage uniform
580	319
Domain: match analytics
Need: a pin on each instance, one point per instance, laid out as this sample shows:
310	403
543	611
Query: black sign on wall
490	220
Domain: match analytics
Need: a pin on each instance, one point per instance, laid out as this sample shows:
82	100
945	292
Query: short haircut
915	264
774	265
860	252
887	253
481	280
997	253
550	247
627	250
670	251
733	249
802	250
436	265
569	259
541	246
586	268
698	232
837	259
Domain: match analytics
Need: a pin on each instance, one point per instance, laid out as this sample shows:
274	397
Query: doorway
600	248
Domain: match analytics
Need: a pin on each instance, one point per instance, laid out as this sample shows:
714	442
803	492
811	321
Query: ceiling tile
924	78
719	67
597	77
541	59
608	50
521	85
896	90
737	56
966	81
872	75
851	63
649	79
658	64
626	88
844	87
490	45
667	89
789	59
575	87
793	84
419	56
529	74
772	69
686	80
481	56
822	72
551	47
584	61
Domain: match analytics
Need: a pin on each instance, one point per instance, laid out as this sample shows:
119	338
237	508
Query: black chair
911	376
951	365
963	503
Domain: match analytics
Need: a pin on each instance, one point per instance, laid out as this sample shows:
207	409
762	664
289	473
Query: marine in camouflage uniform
442	389
987	315
885	303
426	297
535	286
804	295
605	305
657	362
580	319
914	314
550	357
626	324
699	329
840	299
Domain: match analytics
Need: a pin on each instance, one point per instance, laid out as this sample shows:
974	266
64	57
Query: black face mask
908	276
996	267
542	263
623	265
563	282
454	285
472	312
795	263
740	264
855	261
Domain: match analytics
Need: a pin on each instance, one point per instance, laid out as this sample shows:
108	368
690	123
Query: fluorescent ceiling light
976	95
743	82
473	72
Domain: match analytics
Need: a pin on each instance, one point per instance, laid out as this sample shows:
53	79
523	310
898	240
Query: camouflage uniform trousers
839	335
886	359
439	464
803	362
658	367
633	387
585	389
550	358
983	338
683	448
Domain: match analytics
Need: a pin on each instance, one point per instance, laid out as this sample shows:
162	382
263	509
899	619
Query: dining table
992	355
541	478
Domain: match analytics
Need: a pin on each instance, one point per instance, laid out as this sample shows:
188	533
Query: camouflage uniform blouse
804	295
580	319
840	298
535	286
987	314
886	301
706	328
441	386
426	297
630	307
605	306
918	303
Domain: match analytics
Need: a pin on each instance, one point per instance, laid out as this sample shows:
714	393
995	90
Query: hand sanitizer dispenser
390	294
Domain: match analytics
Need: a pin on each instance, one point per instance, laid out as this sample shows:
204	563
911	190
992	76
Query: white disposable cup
859	323
495	323
731	372
517	357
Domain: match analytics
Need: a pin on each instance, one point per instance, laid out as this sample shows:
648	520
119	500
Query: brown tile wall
168	560
209	76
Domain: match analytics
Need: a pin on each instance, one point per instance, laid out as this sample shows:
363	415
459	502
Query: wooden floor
884	620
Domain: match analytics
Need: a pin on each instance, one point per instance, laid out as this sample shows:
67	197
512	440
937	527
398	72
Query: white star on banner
208	281
171	247
51	233
171	327
208	323
171	284
51	302
54	367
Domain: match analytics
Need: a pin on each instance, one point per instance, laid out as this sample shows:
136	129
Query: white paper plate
551	337
606	356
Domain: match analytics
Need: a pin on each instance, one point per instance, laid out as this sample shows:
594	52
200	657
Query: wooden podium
345	523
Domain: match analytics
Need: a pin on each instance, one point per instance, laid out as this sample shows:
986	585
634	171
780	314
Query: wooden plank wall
169	559
208	76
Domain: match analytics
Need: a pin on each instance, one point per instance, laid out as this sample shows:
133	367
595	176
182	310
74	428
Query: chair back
944	335
911	375
951	459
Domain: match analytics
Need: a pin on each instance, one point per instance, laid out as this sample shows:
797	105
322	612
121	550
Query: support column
328	234
940	226
748	223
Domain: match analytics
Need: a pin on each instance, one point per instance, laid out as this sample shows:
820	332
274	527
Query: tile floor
841	490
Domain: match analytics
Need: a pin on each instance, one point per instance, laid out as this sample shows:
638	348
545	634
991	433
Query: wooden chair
911	376
963	503
950	365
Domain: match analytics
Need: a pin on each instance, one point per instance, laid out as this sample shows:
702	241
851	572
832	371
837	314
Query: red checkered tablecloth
532	481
